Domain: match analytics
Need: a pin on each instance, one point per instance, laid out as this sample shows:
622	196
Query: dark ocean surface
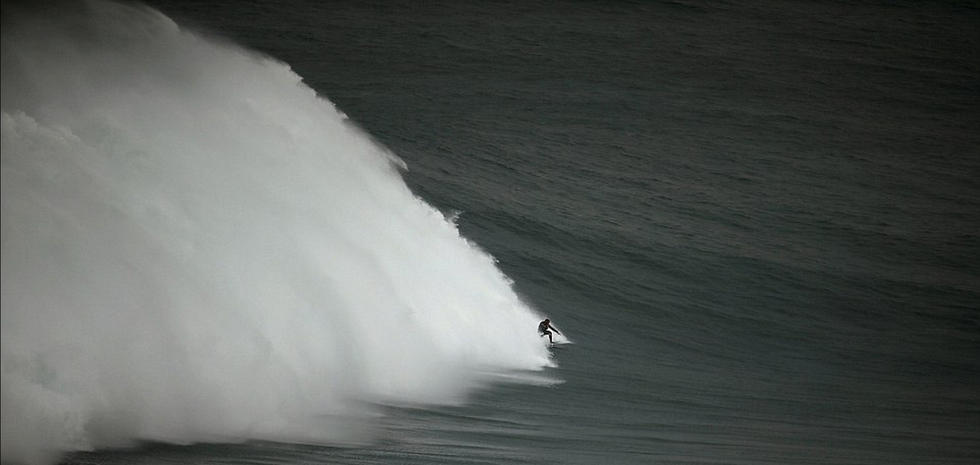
758	221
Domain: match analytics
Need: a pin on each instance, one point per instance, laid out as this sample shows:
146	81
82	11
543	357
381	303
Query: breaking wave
197	247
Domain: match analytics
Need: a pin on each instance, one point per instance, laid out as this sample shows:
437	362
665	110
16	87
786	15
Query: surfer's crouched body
543	328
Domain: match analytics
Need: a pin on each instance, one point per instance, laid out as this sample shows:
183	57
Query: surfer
543	328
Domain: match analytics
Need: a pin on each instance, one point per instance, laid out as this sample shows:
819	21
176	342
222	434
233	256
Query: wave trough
196	247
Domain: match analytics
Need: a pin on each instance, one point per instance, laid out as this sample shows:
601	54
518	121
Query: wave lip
197	247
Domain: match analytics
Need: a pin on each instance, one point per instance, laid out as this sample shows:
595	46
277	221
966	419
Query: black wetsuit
543	329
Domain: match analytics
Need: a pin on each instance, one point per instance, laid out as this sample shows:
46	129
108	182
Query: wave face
196	247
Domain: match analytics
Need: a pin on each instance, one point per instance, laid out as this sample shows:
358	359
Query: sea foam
198	247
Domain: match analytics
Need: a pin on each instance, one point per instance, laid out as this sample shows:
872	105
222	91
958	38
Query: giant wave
197	247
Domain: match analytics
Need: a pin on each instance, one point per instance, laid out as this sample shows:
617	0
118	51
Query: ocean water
301	232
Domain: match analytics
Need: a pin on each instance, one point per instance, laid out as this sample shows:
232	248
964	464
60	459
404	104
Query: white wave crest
197	247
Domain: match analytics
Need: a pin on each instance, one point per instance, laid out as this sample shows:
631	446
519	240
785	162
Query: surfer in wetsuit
543	328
